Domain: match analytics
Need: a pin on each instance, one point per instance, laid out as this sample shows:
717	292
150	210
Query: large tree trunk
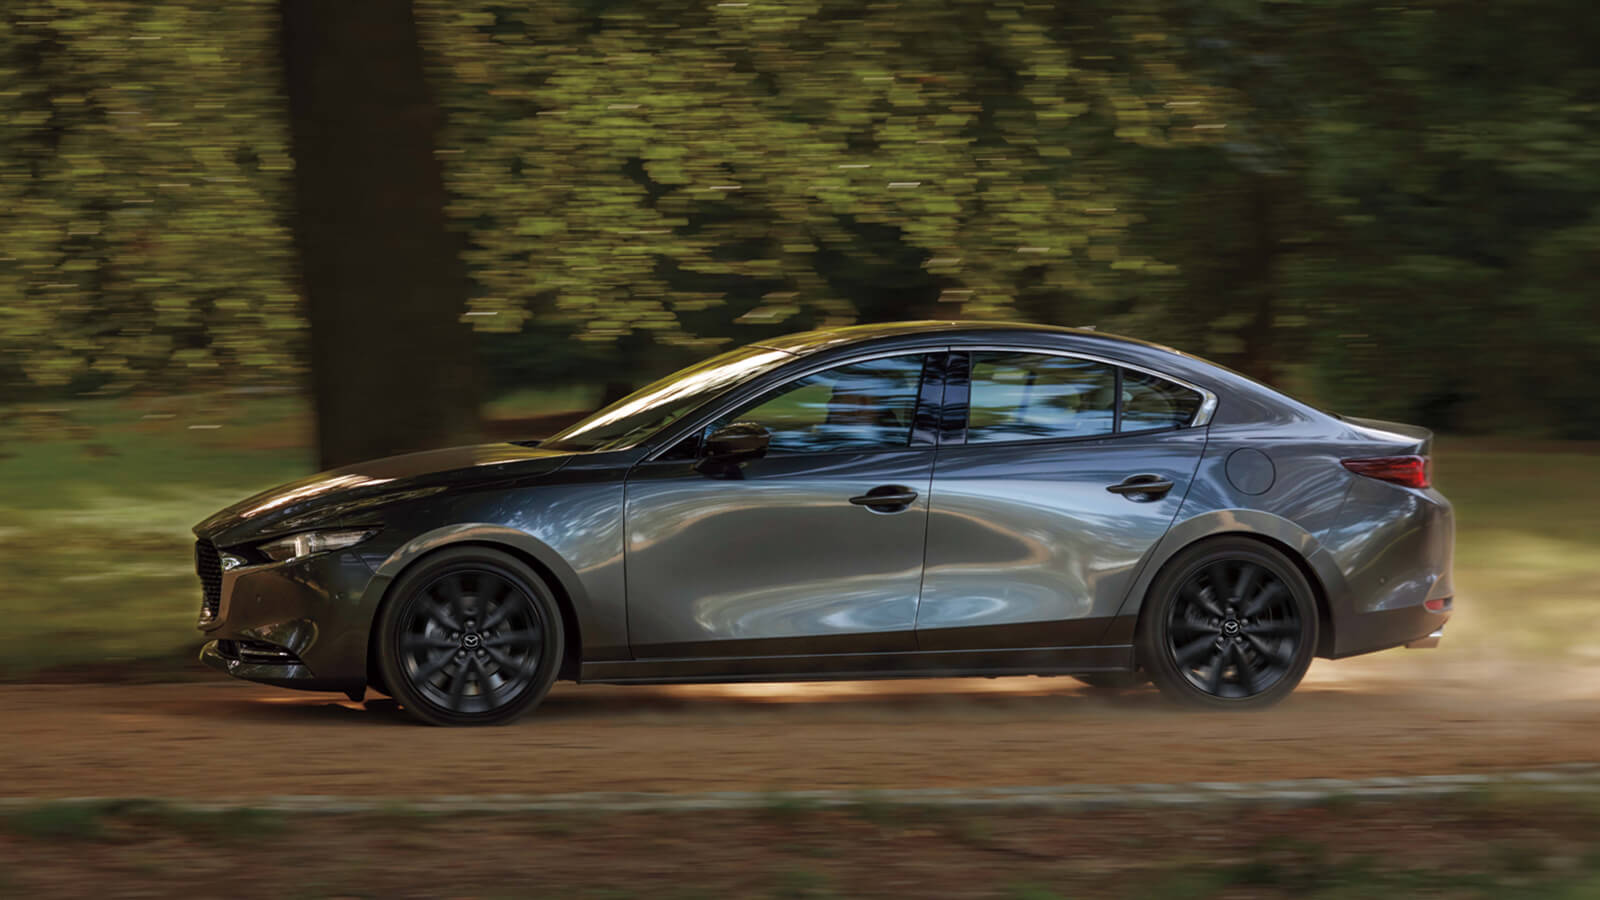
1257	284
392	366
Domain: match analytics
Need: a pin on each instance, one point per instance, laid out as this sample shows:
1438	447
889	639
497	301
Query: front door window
867	405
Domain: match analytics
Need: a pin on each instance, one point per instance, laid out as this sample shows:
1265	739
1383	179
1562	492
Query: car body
922	498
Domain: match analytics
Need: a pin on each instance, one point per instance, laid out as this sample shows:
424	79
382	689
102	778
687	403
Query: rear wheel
471	636
1229	623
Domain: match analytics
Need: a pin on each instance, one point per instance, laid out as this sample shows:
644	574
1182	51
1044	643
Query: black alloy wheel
1229	623
469	636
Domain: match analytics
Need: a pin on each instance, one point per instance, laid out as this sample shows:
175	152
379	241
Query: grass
94	820
97	498
1506	872
1527	549
96	503
54	821
1446	847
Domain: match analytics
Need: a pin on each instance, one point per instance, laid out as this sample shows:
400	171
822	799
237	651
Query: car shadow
695	704
300	709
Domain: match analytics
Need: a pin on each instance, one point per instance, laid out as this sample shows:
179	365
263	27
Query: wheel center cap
1231	626
470	641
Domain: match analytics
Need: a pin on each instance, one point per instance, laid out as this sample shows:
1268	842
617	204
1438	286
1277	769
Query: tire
1229	623
469	636
1113	681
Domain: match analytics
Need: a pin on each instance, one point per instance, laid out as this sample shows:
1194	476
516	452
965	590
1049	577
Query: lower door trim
861	666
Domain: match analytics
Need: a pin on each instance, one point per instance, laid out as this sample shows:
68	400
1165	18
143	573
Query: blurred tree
142	176
1395	212
391	364
1390	209
660	170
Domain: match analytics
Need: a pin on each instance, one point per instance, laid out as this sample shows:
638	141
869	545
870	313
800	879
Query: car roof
807	342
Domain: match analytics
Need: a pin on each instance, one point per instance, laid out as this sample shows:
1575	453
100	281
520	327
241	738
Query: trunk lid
1414	438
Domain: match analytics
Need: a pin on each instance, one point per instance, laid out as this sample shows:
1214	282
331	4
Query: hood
363	488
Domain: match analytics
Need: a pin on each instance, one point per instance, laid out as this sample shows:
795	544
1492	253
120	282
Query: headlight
308	542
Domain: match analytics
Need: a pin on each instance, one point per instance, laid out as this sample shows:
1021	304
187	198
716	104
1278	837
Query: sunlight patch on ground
836	691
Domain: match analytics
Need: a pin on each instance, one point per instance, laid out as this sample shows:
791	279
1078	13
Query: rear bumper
1395	549
1427	642
1411	626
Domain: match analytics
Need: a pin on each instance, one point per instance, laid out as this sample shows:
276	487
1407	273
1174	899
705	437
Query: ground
1407	712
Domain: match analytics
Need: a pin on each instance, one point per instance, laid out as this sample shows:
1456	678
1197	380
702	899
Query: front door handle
1141	488
886	498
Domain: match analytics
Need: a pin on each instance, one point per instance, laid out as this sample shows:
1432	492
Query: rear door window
1034	396
1018	395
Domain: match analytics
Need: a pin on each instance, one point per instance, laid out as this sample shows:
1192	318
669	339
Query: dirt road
1398	713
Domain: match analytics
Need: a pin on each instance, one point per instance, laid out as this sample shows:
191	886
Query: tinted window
861	406
1152	402
1017	396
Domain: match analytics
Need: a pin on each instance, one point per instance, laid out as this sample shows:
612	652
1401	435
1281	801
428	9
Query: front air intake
257	652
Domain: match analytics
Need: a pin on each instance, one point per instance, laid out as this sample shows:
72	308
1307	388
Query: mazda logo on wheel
469	641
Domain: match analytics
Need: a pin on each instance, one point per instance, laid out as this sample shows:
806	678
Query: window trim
728	405
1200	419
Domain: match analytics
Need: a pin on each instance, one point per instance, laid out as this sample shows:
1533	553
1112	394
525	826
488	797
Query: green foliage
778	162
142	165
1401	221
1390	210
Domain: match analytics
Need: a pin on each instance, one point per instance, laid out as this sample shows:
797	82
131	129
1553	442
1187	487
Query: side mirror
736	442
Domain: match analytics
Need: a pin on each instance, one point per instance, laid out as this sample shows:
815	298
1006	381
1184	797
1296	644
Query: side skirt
861	666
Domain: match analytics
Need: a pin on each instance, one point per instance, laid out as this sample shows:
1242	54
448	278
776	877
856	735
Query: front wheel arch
572	659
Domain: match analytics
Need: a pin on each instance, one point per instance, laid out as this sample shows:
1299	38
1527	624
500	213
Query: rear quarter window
1150	402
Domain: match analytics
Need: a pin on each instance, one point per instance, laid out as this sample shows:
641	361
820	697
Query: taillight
1407	471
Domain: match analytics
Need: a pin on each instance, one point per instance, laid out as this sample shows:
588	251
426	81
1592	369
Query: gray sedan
912	499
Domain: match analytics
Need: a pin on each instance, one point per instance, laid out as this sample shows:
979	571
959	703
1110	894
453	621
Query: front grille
208	565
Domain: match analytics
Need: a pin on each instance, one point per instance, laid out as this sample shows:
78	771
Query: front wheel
1229	623
470	636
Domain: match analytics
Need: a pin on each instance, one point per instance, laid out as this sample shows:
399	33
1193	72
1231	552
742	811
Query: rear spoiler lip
1418	438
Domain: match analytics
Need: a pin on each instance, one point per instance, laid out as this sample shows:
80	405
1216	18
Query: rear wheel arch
1229	621
1319	590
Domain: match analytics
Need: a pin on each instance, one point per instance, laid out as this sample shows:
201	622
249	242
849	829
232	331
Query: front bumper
301	624
290	675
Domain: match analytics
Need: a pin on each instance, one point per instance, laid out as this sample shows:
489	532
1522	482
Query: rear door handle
886	498
1141	488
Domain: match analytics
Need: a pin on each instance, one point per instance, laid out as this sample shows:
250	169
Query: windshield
656	405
